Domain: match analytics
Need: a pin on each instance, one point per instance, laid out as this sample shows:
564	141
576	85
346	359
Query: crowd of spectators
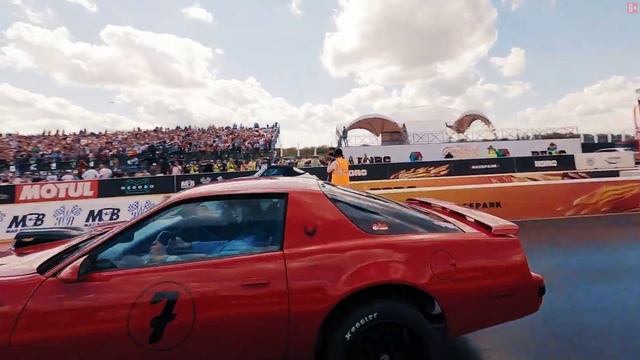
159	151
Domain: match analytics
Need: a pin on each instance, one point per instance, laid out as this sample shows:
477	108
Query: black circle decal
162	317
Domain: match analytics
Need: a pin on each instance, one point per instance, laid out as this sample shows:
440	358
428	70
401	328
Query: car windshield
66	253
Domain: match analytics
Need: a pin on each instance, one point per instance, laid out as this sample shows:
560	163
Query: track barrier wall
74	190
482	179
537	200
513	188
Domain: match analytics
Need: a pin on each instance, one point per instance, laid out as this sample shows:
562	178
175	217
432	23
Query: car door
220	291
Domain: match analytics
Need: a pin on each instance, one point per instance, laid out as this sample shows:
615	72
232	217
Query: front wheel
383	330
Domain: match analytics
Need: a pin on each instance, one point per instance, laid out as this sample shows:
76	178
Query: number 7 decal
159	323
162	317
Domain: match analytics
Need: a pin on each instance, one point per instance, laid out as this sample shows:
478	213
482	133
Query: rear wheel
383	330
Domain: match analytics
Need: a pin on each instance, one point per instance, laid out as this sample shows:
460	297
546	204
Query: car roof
252	185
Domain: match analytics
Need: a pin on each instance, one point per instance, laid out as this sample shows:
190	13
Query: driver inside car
158	249
232	235
157	253
232	229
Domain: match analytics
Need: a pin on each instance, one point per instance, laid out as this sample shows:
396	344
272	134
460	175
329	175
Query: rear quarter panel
491	283
328	258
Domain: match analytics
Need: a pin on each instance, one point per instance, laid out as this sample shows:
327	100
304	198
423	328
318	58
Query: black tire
381	330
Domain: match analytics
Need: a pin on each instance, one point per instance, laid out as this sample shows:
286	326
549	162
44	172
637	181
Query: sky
316	65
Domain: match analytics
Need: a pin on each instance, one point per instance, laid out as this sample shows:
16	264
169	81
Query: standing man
345	136
339	169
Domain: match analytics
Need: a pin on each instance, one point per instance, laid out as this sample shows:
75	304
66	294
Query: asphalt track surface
592	307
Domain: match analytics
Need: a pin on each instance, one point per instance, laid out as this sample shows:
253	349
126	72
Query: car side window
198	230
380	216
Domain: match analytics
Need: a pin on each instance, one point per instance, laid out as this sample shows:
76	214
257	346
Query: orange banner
537	200
469	180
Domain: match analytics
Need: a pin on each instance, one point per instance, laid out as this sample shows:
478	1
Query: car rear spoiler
494	224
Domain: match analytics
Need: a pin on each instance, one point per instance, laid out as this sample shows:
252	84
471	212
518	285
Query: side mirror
74	272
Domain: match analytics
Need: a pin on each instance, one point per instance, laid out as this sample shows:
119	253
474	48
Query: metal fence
439	137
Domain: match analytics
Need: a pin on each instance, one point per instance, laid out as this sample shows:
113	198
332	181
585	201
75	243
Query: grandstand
140	151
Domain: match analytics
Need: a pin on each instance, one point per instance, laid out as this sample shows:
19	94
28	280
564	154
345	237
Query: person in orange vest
339	169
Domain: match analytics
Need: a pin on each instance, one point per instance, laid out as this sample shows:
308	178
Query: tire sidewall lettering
366	320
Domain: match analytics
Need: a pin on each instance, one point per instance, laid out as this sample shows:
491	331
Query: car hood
25	260
18	262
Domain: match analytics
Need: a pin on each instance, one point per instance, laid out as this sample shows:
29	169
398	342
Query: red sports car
267	268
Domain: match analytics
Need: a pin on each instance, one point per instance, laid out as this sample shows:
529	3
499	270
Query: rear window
380	216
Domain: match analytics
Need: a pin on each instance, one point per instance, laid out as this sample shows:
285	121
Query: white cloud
43	112
601	107
168	80
196	12
89	5
511	65
31	14
463	91
225	101
294	6
514	4
515	89
11	57
127	57
395	41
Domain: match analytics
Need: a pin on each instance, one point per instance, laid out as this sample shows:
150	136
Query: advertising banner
56	191
537	200
137	186
7	194
76	213
481	179
605	160
184	182
356	172
545	163
483	166
415	170
458	150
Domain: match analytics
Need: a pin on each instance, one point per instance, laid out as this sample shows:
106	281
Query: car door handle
255	283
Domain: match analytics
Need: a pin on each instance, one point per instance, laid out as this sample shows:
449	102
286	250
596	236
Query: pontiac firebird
267	268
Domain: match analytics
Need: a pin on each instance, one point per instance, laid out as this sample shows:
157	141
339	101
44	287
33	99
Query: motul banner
56	191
